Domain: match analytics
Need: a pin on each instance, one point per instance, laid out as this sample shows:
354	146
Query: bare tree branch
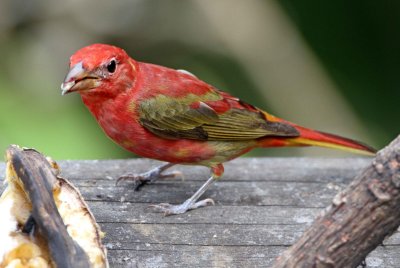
357	221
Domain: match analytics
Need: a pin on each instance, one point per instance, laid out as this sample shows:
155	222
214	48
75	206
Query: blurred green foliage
357	44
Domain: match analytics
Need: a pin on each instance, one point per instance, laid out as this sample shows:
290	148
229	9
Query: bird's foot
138	180
169	209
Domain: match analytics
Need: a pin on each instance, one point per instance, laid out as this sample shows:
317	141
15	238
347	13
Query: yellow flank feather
301	141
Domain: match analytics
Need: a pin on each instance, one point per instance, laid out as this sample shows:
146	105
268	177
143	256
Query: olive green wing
241	124
193	118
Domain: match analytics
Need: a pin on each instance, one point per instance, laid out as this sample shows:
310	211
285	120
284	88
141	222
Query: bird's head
99	70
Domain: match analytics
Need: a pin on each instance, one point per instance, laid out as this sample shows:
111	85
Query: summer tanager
173	116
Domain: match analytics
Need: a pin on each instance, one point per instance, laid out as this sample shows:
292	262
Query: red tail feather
318	138
309	137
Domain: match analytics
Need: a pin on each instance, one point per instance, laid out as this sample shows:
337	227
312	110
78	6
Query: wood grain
262	207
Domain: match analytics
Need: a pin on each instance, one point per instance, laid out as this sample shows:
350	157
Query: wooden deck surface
262	205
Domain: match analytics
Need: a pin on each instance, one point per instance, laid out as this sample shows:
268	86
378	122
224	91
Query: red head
99	70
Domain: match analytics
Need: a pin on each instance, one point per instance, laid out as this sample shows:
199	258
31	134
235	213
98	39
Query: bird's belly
207	153
133	137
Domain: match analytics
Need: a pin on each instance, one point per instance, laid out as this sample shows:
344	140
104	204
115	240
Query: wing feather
193	118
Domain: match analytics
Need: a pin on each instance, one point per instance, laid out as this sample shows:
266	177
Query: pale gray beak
79	79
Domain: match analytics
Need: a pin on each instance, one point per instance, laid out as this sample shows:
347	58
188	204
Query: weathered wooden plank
265	169
129	235
224	256
242	169
223	192
219	214
151	256
384	257
292	217
262	205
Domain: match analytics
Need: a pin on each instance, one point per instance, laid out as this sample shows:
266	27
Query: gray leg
150	176
192	202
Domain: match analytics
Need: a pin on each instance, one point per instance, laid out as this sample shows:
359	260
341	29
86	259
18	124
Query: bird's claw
169	209
138	180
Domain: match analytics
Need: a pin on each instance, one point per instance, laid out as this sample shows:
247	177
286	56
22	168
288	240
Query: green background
352	44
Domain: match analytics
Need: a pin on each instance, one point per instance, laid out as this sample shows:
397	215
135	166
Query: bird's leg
150	176
192	202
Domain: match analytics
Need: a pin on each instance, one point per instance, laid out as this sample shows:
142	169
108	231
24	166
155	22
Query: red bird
173	116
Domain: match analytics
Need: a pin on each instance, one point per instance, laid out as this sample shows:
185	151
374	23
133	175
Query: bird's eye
111	66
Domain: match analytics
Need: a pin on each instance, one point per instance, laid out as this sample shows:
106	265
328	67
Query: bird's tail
309	137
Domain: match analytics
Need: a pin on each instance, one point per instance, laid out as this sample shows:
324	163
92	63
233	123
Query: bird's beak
79	79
